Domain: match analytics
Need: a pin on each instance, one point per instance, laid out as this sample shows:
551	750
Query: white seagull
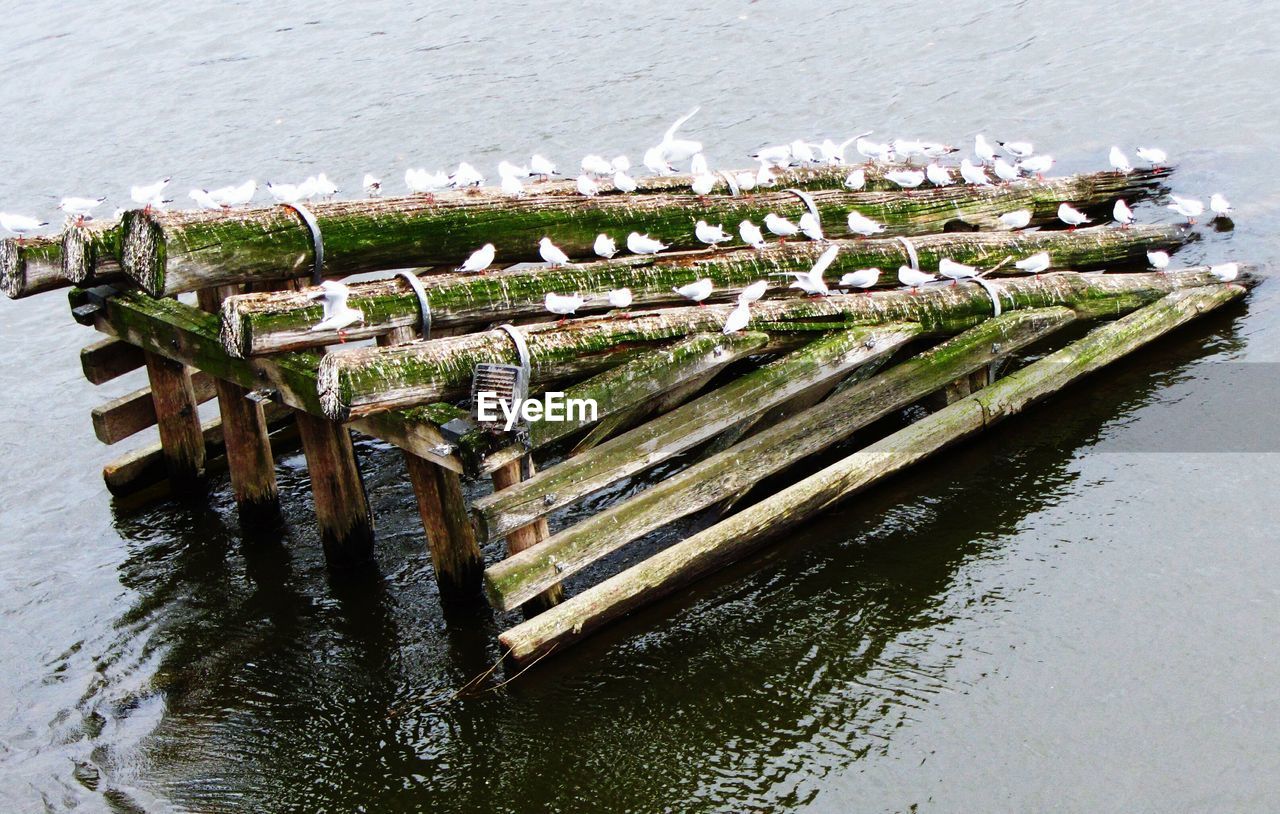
778	155
562	305
1225	272
480	259
623	182
1158	260
286	193
676	149
203	199
697	291
751	234
337	314
1018	149
620	297
1189	208
811	226
643	244
1004	170
655	161
1119	161
753	292
1034	264
466	176
856	180
596	165
1017	219
862	278
710	235
422	182
1152	155
973	174
605	246
955	272
80	208
620	163
20	225
938	175
1121	212
587	186
1220	205
802	152
907	179
983	149
703	184
914	278
698	165
1071	216
860	224
811	282
238	195
149	194
508	170
512	185
1036	165
552	253
737	319
541	166
779	226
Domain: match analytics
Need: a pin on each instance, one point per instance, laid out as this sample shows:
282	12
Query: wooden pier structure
734	410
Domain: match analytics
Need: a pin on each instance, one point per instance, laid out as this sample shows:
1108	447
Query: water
1075	613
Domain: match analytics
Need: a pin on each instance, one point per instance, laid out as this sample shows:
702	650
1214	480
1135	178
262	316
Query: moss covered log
30	266
370	380
734	538
254	324
170	252
734	470
91	252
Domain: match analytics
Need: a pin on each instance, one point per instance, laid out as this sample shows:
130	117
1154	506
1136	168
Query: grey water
1077	612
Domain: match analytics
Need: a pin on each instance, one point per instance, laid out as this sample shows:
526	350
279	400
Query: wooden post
342	508
177	419
455	554
527	536
248	445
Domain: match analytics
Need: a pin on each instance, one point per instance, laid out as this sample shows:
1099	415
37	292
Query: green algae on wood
30	266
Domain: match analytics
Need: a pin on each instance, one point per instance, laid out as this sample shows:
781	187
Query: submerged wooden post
247	440
177	419
527	536
342	507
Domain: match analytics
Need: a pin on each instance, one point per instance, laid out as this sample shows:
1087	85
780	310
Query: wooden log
270	323
735	537
341	505
685	427
736	469
109	358
133	412
526	537
177	419
91	253
366	381
30	266
167	252
620	422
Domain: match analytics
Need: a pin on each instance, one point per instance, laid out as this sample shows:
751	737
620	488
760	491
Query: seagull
703	184
1071	216
764	176
562	305
20	225
1189	208
697	291
711	235
620	163
605	246
674	149
203	199
856	180
860	224
508	170
802	153
512	185
938	175
955	271
1152	155
1225	272
240	194
286	193
914	278
82	208
596	165
811	282
321	187
746	181
620	297
587	187
1121	212
480	259
552	253
751	234
1036	165
623	182
974	174
781	227
541	166
1034	264
811	226
149	194
1018	149
1220	205
934	149
337	314
877	152
1120	161
907	149
753	292
983	149
643	244
778	155
1158	260
466	176
737	319
698	165
832	153
655	161
907	179
1017	219
1004	170
862	278
422	182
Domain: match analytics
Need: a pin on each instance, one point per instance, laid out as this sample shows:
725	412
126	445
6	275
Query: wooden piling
525	537
341	505
177	419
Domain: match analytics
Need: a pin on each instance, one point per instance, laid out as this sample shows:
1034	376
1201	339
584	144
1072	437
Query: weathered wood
109	358
526	537
366	381
133	412
736	469
91	252
270	323
733	538
625	420
167	252
30	266
341	506
685	427
177	419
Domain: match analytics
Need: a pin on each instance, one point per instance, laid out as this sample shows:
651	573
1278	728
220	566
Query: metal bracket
732	182
263	395
522	349
912	257
992	292
807	199
317	241
424	307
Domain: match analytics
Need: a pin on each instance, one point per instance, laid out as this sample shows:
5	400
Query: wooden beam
341	505
133	412
737	536
177	419
109	358
526	537
30	266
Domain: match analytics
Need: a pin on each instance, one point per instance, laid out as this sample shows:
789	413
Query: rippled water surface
1077	612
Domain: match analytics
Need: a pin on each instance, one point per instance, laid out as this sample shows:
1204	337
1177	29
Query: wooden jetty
667	384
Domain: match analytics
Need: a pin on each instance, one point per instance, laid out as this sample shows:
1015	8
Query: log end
77	254
232	334
334	401
12	273
142	253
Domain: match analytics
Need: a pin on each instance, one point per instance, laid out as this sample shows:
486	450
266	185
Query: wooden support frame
177	419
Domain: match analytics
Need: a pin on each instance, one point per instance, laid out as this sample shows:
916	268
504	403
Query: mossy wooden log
91	252
30	266
168	252
190	336
133	412
736	469
371	380
341	505
526	537
177	419
731	539
108	359
685	427
270	323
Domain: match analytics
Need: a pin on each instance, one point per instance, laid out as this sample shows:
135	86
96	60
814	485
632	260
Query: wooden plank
526	537
109	358
133	412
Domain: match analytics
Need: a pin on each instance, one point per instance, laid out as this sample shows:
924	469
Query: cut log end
335	405
143	256
231	332
10	269
30	267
